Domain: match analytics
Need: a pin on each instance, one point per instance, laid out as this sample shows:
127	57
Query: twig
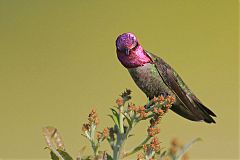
136	149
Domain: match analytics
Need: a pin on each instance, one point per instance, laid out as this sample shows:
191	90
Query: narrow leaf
185	148
109	157
64	155
128	120
115	116
114	119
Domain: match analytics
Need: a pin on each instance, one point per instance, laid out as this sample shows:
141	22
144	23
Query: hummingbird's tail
202	113
207	112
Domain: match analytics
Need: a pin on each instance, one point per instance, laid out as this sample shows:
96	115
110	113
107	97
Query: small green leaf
54	156
64	155
163	154
114	120
114	111
128	120
109	157
115	117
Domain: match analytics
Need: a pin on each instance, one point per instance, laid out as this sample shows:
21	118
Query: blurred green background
58	60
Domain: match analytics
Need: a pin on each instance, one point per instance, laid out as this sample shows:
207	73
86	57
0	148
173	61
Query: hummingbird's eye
135	46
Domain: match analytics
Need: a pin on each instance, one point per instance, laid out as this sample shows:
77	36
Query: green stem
120	136
118	146
94	147
121	129
92	139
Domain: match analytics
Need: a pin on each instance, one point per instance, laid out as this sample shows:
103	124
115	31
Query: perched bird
155	77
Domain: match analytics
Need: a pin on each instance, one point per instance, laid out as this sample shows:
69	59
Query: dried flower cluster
119	101
85	127
152	131
166	102
139	110
152	148
93	120
158	112
103	135
126	95
125	118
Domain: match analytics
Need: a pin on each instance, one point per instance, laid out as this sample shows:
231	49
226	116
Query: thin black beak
127	52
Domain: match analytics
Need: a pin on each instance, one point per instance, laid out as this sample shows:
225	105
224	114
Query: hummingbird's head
129	52
126	42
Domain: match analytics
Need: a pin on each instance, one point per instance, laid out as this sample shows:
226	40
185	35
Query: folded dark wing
190	106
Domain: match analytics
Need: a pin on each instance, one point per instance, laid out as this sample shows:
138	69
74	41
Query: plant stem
92	139
94	147
121	136
117	149
121	129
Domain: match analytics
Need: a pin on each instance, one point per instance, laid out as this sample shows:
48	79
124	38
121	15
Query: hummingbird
155	77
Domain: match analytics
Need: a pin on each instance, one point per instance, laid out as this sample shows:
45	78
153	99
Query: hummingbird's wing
190	107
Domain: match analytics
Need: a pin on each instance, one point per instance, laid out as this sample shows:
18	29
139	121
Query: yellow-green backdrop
58	60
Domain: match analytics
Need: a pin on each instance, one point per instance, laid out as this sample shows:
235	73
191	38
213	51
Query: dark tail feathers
207	112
